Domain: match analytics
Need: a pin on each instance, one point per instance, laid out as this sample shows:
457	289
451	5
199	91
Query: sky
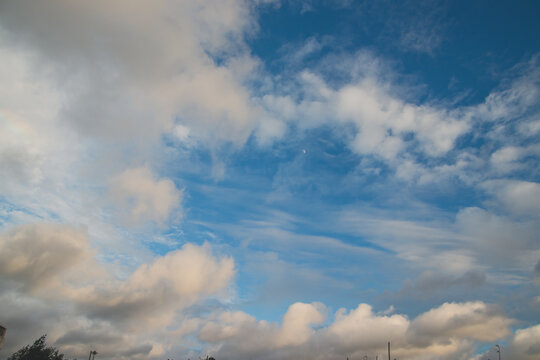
270	179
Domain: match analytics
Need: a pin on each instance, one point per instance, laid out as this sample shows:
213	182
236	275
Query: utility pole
2	335
92	355
498	350
389	350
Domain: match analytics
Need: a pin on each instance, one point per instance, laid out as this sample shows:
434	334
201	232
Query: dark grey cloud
430	283
36	254
80	336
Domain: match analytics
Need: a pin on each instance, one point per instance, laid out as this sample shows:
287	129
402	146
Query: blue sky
271	179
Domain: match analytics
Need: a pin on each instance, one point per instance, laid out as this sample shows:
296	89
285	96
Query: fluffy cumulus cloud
443	332
261	336
142	197
38	255
383	121
386	125
155	291
474	320
133	67
498	239
524	344
52	269
296	326
362	330
519	197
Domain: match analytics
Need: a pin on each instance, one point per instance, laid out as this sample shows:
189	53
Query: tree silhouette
37	351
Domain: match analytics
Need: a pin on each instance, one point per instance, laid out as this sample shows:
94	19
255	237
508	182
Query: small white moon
304	151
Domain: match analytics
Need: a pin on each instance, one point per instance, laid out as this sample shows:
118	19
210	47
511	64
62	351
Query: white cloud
383	121
139	75
529	128
181	132
445	332
19	158
226	325
99	309
475	240
122	73
30	146
391	125
525	345
387	123
260	335
513	159
297	321
515	99
474	320
518	197
362	329
144	64
140	194
270	129
507	154
51	272
154	292
38	256
499	240
433	244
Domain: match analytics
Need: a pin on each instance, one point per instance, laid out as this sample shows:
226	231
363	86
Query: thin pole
498	350
389	350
